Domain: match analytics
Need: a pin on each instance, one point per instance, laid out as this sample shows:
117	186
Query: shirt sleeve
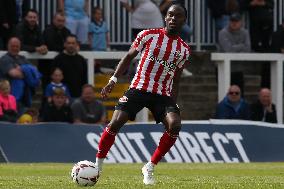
139	41
185	60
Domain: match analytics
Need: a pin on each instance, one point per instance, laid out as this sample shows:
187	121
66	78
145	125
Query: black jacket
8	12
30	38
54	38
257	113
52	114
277	42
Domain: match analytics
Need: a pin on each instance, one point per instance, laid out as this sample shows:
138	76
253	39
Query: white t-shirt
146	15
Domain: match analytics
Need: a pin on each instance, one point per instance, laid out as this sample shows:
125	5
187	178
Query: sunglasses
234	93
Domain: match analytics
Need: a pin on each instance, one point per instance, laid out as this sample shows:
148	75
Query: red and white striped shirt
161	56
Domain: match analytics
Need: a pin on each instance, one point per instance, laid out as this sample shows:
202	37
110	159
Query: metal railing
118	20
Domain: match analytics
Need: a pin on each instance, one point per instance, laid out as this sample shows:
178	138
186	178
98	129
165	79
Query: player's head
175	18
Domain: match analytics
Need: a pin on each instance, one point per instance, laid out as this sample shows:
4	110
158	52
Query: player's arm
121	68
176	83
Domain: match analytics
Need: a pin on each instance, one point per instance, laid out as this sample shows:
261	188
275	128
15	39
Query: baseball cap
235	17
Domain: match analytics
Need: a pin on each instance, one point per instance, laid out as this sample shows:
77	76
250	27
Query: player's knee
174	126
115	125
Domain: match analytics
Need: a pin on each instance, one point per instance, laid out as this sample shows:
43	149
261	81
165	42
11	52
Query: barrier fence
224	69
214	141
118	20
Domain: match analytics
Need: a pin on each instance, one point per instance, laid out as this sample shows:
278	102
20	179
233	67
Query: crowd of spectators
233	106
67	98
62	79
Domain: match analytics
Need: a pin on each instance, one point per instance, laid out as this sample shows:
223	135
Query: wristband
114	79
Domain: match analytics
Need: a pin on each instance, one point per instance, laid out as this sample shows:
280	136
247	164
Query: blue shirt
227	110
99	32
52	86
75	9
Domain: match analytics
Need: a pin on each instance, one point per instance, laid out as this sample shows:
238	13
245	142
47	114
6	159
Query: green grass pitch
122	176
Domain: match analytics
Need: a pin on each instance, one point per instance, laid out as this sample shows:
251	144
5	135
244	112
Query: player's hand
107	89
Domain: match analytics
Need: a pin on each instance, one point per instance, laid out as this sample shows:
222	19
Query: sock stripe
172	135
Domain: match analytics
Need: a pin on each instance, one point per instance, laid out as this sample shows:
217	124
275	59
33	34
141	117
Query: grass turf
199	176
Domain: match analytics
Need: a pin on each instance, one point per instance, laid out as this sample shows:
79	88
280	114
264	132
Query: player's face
175	19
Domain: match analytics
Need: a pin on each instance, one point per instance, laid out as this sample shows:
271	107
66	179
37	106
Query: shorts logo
123	99
177	106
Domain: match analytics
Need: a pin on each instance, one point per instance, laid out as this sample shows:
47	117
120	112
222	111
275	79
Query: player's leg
119	118
126	109
168	112
172	124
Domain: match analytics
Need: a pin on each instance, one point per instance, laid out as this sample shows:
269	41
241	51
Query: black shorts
135	100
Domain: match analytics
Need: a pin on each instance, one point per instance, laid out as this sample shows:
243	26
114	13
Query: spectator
234	38
261	28
56	82
98	31
233	106
22	7
277	42
220	11
98	35
77	21
29	33
57	110
10	68
53	37
145	15
87	109
261	23
8	106
73	66
55	34
263	109
186	30
8	20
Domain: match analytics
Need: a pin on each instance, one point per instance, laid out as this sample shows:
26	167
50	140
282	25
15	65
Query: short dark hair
180	5
71	35
88	86
31	10
54	69
59	12
96	8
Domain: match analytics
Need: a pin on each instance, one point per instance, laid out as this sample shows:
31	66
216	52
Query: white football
85	173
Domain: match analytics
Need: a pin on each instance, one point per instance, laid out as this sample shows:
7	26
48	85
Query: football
85	173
